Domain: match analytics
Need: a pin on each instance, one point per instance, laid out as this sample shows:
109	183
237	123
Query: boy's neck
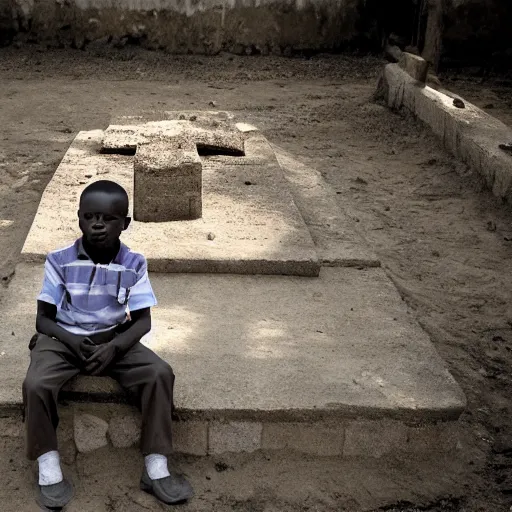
103	256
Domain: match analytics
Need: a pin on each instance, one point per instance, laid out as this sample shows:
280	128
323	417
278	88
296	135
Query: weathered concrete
207	132
234	436
167	183
359	438
206	26
469	133
278	348
336	240
414	65
247	207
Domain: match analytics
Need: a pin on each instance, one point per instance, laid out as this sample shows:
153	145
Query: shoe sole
43	502
149	489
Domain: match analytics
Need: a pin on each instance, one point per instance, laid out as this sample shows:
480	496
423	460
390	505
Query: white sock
156	466
49	468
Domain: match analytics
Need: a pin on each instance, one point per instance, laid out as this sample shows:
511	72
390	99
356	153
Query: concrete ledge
469	133
241	347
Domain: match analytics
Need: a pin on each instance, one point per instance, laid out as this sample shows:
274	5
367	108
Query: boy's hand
81	347
101	358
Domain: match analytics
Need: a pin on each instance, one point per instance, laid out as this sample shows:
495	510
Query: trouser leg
150	380
51	366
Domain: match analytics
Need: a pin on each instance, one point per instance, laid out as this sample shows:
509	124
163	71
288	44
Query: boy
91	314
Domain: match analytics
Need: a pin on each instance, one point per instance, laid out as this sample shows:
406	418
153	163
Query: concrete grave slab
250	222
267	348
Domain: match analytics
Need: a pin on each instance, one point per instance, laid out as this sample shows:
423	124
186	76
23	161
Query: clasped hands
95	358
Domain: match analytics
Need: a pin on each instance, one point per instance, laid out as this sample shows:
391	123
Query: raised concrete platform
272	348
469	133
250	223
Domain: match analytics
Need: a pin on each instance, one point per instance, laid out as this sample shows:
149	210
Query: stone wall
185	26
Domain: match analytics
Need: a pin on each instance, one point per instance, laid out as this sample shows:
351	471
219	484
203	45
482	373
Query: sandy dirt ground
443	240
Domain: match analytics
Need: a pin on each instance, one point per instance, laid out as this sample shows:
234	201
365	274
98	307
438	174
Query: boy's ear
127	221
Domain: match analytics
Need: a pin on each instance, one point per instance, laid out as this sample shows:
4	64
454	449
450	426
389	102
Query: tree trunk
434	33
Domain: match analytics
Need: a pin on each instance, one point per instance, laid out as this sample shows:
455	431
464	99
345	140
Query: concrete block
11	427
90	432
374	438
235	436
438	438
312	438
471	153
427	109
414	65
501	164
190	437
124	430
167	183
469	133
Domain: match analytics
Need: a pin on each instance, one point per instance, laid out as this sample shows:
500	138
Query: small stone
248	182
489	106
212	104
491	226
90	432
211	236
182	117
457	102
193	118
436	254
124	431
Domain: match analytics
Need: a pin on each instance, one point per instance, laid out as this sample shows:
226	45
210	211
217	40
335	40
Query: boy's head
103	213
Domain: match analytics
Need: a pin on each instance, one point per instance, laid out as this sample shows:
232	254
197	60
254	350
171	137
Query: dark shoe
171	489
57	495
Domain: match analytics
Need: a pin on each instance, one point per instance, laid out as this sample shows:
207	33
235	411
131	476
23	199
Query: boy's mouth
98	237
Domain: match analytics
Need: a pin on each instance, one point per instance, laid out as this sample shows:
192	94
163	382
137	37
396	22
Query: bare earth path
443	240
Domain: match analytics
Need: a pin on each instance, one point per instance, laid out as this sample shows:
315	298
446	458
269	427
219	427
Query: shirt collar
82	254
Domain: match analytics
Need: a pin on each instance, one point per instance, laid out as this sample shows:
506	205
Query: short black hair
107	187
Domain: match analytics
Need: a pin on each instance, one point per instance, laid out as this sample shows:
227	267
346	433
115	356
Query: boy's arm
140	325
46	324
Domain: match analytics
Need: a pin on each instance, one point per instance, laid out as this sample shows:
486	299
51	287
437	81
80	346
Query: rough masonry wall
185	26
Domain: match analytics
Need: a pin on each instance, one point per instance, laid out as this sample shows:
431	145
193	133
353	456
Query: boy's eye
88	216
109	218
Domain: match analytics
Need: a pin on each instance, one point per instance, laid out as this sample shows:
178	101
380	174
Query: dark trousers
146	378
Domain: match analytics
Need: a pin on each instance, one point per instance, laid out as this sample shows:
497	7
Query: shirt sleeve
53	282
141	293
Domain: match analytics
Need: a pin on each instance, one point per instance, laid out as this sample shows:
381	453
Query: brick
191	437
167	183
438	438
414	66
312	438
235	436
366	438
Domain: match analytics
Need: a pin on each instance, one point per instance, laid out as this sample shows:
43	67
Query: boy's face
102	219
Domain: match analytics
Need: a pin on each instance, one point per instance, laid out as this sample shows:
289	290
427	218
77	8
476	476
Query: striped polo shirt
93	297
